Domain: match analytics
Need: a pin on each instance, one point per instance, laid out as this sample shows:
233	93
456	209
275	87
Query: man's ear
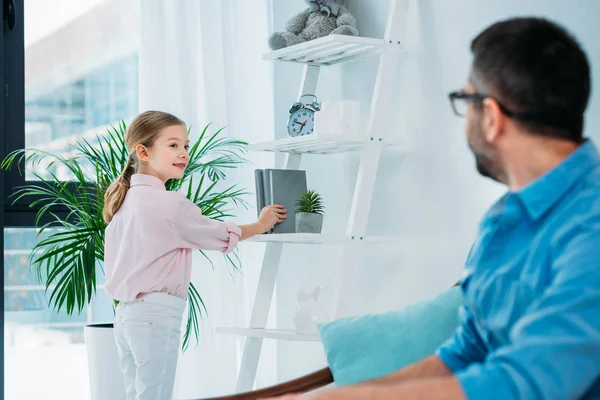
493	120
142	152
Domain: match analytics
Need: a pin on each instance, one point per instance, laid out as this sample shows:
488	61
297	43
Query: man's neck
534	157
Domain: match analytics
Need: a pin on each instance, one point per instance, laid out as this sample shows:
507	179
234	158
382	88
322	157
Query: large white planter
106	379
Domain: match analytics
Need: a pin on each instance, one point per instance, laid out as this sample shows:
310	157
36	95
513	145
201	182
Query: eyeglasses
460	100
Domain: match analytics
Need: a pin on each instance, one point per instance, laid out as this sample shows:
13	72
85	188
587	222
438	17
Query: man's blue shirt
530	327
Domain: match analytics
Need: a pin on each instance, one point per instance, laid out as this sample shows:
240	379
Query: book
267	191
280	186
260	191
266	187
286	187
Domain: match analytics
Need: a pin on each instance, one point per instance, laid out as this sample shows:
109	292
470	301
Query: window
70	69
80	75
41	345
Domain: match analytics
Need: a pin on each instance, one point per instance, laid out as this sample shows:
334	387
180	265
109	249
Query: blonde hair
144	129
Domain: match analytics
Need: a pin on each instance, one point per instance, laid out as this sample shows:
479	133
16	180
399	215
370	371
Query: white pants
148	332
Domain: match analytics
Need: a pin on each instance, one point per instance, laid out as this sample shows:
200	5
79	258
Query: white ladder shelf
329	50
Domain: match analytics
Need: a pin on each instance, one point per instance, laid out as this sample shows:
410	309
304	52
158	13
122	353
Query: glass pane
45	349
81	73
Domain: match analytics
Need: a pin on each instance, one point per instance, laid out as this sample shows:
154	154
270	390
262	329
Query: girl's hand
271	215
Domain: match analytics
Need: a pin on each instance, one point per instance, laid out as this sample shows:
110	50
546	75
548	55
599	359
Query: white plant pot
106	379
308	222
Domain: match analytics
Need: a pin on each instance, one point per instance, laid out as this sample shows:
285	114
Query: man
530	327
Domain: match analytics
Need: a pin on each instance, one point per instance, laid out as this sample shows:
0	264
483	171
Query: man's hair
536	70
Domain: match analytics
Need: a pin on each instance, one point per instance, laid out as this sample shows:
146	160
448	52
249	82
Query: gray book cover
267	190
260	190
267	186
285	186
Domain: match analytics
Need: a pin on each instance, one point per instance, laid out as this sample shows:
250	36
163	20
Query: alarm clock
302	117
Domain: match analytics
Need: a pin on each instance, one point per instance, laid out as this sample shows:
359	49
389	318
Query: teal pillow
371	346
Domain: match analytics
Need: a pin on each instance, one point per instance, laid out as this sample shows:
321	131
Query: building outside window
81	75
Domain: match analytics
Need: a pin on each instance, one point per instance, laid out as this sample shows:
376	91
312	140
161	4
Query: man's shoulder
586	194
577	214
592	178
577	219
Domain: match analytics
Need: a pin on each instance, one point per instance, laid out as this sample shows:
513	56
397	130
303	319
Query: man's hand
429	388
430	367
426	375
320	395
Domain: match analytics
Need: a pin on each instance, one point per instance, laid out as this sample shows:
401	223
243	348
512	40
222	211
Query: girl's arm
193	230
269	216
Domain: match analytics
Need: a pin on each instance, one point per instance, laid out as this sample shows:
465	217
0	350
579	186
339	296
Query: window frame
12	137
17	213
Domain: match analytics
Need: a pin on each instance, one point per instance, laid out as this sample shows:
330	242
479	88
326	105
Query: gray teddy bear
321	18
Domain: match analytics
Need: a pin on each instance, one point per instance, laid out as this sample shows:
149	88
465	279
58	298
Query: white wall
434	195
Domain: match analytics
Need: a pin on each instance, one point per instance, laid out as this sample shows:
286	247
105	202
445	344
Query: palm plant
69	259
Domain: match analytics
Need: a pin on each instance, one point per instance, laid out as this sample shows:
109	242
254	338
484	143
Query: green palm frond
211	156
109	157
67	260
197	308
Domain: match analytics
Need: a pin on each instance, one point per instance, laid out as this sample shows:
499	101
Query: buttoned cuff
448	358
488	383
235	232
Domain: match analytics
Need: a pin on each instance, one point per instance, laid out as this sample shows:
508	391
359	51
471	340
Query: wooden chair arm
303	384
306	383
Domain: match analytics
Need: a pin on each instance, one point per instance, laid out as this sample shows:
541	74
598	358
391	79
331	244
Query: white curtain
201	60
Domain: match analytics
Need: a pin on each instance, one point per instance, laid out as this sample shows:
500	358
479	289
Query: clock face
301	122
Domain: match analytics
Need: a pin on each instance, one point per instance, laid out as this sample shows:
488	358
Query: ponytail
115	194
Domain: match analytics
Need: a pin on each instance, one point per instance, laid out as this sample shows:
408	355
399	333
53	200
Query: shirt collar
539	196
146	180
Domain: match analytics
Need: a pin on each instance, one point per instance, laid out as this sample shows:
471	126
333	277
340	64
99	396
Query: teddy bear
321	18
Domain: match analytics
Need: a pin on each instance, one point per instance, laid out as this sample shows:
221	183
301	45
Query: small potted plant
309	212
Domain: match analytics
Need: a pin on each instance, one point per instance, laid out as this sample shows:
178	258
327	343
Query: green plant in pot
70	258
309	212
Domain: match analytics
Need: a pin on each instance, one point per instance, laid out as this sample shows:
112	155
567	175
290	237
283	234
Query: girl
148	256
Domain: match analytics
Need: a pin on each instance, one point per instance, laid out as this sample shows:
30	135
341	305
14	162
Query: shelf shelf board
317	238
278	334
328	50
299	238
314	144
